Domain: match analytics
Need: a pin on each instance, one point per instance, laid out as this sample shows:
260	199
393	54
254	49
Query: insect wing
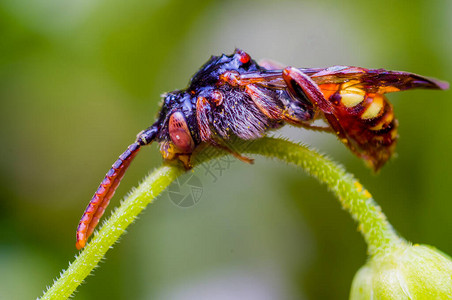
374	80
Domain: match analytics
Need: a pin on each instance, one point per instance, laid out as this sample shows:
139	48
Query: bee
233	95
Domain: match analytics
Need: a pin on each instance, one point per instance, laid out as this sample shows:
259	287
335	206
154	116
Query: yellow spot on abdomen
384	121
352	96
374	108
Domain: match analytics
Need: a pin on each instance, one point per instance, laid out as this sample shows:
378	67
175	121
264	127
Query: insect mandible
232	95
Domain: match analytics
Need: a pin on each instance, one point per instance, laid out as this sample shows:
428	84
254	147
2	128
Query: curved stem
111	230
373	224
375	228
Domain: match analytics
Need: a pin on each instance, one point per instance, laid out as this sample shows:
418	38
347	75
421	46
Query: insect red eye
179	133
243	56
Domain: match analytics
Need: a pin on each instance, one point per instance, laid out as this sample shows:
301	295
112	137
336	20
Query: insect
232	95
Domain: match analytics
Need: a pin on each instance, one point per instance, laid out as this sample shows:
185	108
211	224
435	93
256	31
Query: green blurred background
78	80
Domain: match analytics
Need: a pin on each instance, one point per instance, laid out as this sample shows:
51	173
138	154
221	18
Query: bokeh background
78	80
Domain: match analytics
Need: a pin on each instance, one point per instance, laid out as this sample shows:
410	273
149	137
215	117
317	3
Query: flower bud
405	272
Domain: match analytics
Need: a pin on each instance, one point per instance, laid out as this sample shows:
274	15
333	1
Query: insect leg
261	89
203	111
303	87
317	128
266	103
293	112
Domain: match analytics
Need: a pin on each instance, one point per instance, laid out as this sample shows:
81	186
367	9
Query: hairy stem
376	230
112	229
354	198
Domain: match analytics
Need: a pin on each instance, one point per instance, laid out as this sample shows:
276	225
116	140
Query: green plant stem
354	198
111	230
373	224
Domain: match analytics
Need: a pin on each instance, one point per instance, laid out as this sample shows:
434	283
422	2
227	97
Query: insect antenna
107	188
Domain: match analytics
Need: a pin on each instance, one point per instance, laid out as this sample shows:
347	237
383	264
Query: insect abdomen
367	120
